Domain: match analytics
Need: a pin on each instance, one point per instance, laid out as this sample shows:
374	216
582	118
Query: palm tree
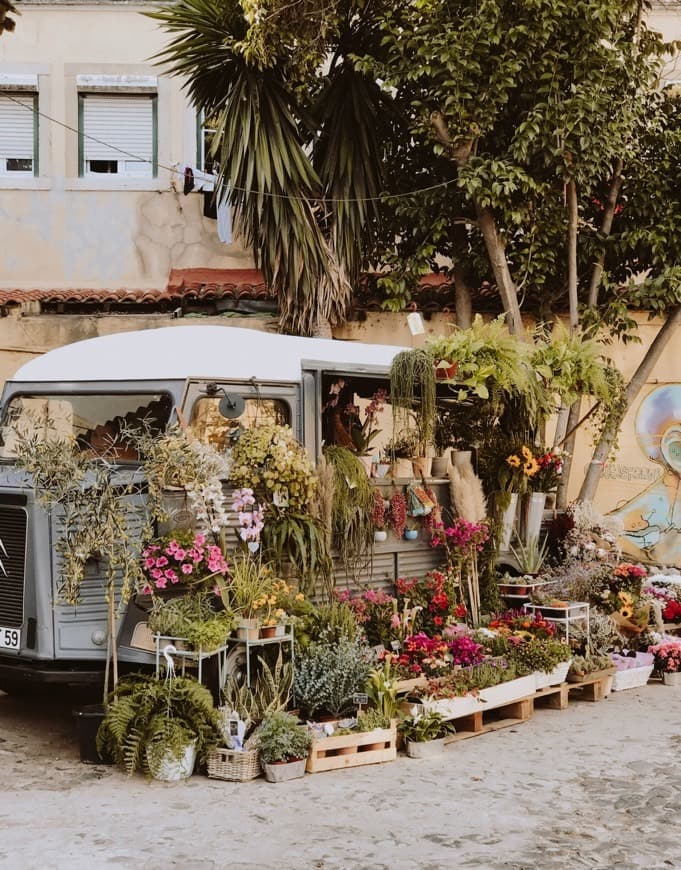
6	23
297	139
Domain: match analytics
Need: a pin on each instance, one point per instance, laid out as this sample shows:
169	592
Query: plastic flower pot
268	631
380	535
411	534
88	719
172	769
248	629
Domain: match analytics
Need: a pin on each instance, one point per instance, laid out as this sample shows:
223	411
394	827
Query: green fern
157	715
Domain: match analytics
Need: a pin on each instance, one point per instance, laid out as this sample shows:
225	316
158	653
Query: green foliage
422	726
530	555
96	508
328	675
160	715
300	539
381	687
281	738
270	693
412	389
353	530
193	618
334	622
370	720
580	666
539	655
572	365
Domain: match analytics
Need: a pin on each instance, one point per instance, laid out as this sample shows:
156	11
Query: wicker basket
632	678
232	765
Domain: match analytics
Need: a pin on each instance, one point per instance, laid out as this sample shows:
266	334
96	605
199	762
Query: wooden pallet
484	721
593	687
353	750
553	697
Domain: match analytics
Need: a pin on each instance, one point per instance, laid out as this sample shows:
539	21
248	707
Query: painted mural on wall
651	519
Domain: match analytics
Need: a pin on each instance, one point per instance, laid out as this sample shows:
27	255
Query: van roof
181	352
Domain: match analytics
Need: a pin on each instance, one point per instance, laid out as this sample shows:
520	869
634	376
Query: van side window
210	427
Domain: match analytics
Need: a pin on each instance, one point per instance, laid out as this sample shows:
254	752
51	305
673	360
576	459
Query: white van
89	388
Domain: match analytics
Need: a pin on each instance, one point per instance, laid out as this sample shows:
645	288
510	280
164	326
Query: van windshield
97	422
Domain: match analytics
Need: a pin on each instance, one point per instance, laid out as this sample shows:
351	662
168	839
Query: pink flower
149	563
146	590
161	562
180	554
187	568
171	575
395	621
199	540
161	583
156	573
172	547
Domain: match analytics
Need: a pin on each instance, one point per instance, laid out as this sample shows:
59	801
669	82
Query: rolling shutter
124	122
17	124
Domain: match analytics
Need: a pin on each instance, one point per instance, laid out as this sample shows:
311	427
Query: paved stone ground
595	786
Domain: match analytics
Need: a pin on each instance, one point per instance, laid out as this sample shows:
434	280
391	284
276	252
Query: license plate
9	638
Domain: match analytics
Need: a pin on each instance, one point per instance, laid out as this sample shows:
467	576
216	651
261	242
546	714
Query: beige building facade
68	221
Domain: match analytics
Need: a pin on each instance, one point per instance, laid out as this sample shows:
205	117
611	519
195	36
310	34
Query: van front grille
12	564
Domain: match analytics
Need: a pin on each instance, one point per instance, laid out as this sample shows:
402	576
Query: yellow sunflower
513	461
625	598
626	612
527	453
531	467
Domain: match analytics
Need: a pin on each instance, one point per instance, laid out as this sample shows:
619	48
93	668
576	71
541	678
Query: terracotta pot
445	370
422	466
268	631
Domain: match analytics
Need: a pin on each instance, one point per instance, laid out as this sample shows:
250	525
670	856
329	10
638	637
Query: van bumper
23	673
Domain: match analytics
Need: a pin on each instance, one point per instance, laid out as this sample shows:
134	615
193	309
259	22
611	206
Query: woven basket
632	678
232	765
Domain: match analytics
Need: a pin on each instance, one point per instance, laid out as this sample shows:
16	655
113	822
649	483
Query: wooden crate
353	750
484	721
592	687
553	697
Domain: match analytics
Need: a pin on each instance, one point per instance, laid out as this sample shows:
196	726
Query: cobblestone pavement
595	786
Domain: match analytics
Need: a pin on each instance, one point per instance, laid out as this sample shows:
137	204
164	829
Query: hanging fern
412	389
160	716
353	529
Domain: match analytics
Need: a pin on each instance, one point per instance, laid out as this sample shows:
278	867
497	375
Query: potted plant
328	675
425	732
411	533
401	448
159	726
668	661
283	745
363	433
531	555
247	593
192	618
378	517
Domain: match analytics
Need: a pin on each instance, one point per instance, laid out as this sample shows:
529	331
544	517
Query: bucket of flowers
668	661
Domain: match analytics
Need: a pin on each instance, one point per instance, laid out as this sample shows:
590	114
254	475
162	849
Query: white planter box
557	676
425	748
488	699
632	678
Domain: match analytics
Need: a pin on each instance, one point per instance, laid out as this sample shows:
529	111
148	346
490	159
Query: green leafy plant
271	692
334	622
540	655
327	676
299	539
193	618
531	555
423	725
381	688
148	718
412	391
352	529
580	666
281	738
370	720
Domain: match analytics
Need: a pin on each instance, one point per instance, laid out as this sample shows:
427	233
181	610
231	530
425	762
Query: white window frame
127	169
22	86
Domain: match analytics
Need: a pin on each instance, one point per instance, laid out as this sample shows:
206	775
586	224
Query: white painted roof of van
180	352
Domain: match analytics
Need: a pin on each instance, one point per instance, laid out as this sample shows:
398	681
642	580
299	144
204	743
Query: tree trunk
322	328
573	217
464	299
568	447
606	228
502	274
634	387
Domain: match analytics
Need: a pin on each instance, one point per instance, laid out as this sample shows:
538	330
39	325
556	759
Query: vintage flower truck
213	379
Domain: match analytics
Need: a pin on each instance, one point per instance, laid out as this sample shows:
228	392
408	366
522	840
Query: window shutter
124	122
16	127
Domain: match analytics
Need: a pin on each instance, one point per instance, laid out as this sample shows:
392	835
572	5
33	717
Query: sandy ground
596	785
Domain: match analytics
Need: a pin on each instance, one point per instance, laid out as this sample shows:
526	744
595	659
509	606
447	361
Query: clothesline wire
175	171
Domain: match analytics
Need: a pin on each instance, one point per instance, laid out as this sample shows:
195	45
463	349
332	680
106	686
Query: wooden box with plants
372	740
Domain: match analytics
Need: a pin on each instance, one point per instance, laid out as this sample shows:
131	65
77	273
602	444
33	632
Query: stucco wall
60	230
